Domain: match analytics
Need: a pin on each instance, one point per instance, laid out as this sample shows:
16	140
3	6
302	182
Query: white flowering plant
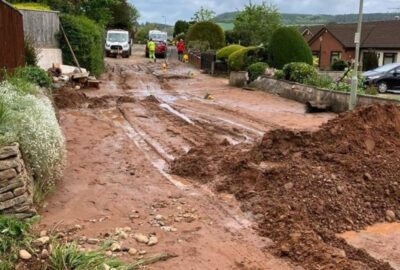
28	117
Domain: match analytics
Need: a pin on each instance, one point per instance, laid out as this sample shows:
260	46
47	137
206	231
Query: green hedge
299	72
87	39
224	53
241	59
34	75
207	32
339	65
256	70
287	46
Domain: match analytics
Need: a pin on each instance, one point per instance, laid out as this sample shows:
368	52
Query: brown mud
304	187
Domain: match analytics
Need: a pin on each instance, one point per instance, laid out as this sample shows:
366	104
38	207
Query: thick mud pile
303	187
67	98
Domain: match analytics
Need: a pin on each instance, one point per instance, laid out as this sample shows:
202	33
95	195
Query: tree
125	16
208	33
181	27
203	15
256	23
287	46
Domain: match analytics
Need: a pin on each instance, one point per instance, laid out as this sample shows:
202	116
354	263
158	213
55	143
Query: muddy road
121	139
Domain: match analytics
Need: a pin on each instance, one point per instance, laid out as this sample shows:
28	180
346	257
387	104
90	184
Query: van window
117	37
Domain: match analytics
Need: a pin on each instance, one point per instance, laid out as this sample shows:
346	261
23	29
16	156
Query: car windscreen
158	37
386	68
117	37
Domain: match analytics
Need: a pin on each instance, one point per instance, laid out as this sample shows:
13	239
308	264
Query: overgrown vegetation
238	60
13	236
86	38
28	117
256	70
206	32
180	29
33	75
287	46
32	6
224	53
31	52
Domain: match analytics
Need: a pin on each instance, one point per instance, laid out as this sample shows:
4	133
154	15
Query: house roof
382	34
314	29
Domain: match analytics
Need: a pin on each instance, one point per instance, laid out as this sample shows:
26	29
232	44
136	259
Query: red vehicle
160	38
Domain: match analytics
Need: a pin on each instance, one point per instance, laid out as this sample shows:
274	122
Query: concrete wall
42	26
48	57
16	185
338	101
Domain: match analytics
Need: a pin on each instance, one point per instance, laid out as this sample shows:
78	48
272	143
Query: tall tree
125	16
256	23
181	27
203	14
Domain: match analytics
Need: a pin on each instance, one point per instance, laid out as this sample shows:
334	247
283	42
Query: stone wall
16	186
337	101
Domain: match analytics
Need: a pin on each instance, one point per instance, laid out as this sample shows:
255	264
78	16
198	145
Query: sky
173	10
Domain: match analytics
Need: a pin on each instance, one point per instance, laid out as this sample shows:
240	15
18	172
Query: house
336	41
12	52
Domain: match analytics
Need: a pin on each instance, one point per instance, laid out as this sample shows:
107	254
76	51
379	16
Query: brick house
336	41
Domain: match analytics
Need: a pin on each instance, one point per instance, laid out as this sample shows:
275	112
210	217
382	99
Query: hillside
306	19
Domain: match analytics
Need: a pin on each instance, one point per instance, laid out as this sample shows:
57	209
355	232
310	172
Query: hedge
87	39
207	32
224	53
256	70
241	59
287	46
299	72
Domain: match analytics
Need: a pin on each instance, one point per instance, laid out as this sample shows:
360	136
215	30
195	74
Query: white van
118	42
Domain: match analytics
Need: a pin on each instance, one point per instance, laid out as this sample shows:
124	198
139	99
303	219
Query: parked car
118	42
385	78
161	39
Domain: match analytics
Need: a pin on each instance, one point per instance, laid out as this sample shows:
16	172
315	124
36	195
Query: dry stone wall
16	185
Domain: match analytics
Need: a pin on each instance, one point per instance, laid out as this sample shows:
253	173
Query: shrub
370	61
287	46
323	81
279	75
32	122
299	72
237	60
87	39
339	65
31	53
256	70
207	32
225	52
34	75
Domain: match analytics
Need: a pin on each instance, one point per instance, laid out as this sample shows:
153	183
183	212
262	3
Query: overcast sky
154	10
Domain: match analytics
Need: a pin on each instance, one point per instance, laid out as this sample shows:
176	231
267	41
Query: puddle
381	241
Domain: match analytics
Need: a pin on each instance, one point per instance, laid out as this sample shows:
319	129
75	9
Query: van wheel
382	87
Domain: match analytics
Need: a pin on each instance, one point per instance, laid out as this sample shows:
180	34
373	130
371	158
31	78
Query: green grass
32	6
13	237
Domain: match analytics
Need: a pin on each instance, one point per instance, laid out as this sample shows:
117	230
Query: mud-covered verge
304	187
68	98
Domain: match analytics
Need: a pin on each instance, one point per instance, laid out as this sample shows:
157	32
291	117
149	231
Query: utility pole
357	40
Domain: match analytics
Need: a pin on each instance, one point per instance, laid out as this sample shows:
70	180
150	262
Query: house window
389	58
335	56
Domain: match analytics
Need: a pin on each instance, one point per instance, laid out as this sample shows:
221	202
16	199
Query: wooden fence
12	52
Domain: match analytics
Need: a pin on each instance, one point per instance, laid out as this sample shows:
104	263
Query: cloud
173	10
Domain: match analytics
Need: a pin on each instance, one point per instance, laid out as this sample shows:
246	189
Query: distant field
226	26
